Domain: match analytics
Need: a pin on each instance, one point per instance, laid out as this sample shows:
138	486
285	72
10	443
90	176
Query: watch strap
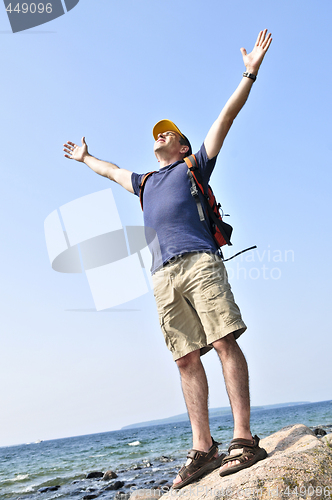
250	75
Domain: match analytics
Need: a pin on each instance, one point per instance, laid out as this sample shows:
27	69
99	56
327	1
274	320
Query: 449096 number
302	491
31	8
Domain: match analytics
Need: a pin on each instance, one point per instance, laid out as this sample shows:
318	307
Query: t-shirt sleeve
136	180
205	164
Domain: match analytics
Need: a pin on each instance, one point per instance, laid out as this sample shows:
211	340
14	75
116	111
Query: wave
21	477
134	443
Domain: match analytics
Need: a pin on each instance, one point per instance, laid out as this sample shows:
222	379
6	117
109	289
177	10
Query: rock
109	474
146	494
46	489
94	475
91	496
328	439
166	487
319	432
121	495
166	459
115	486
298	467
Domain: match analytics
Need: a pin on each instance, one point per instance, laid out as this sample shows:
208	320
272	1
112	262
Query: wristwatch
250	75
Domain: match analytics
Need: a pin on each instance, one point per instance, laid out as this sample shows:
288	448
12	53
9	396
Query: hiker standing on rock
196	307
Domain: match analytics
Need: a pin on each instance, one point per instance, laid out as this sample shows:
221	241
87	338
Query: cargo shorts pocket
215	290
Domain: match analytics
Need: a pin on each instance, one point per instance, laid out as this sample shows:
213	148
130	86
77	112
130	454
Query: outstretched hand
75	152
253	60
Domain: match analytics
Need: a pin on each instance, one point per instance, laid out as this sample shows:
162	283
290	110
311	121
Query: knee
189	360
225	345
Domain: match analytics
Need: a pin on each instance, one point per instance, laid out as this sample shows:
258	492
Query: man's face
169	142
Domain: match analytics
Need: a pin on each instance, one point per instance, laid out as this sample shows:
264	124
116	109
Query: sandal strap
243	443
242	457
195	454
199	458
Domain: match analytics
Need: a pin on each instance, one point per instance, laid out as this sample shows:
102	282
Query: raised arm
104	168
217	133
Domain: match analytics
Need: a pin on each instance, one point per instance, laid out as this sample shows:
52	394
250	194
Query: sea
145	457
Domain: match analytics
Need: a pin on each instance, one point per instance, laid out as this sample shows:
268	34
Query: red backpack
221	231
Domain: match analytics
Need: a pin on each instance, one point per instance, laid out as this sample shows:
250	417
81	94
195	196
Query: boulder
94	475
46	489
319	432
121	495
298	466
109	474
328	439
115	486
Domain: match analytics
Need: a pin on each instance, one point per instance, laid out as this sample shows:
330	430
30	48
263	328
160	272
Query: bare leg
236	377
195	391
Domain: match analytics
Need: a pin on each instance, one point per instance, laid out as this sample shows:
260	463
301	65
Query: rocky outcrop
298	466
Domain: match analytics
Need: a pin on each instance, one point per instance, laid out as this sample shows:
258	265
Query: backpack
221	231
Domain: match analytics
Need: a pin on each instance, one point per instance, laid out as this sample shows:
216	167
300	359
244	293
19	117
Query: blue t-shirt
171	211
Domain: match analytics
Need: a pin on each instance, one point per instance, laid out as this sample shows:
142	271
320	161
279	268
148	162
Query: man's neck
164	162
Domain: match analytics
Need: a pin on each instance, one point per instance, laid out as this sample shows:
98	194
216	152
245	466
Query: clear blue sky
109	70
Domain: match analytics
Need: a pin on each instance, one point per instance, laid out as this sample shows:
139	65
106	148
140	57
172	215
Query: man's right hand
104	168
75	152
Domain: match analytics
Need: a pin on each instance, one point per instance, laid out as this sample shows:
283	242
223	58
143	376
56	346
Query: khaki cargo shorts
195	303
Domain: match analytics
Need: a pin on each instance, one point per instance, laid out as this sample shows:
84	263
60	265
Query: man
196	307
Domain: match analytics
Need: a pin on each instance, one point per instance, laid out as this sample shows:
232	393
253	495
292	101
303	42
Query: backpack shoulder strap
141	186
197	181
192	170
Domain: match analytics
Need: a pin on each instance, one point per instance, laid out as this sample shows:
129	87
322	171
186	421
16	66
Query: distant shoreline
213	412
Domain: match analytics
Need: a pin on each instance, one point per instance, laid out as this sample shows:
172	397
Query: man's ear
184	150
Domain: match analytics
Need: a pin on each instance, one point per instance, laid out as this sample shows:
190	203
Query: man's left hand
253	60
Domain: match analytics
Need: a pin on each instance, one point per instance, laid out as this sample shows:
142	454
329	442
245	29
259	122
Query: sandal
201	462
246	451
